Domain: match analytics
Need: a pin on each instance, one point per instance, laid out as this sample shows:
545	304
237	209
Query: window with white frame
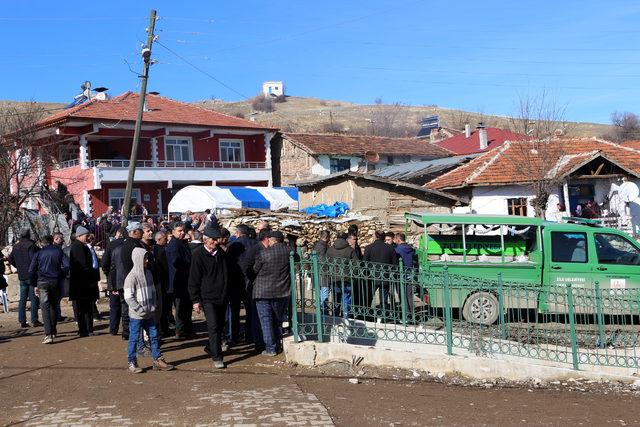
231	150
178	149
23	160
116	197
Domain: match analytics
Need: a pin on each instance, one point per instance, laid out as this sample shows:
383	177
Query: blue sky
478	56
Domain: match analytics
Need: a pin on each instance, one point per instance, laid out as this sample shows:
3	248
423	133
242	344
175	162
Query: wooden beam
597	172
611	175
74	130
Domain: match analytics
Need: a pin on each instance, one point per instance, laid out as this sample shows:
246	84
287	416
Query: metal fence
362	303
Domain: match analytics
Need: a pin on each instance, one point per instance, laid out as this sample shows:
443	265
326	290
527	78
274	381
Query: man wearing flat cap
83	281
208	289
272	290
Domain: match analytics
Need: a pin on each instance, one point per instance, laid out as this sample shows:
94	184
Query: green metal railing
361	303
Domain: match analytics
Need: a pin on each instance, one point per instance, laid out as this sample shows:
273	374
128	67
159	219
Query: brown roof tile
514	162
161	110
349	145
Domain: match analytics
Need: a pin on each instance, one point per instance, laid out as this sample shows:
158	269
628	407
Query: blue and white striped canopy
196	198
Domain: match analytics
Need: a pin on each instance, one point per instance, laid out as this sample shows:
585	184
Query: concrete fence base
434	359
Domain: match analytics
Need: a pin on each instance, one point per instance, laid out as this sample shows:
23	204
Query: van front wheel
482	308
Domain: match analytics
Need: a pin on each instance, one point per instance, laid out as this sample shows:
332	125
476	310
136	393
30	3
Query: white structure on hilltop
273	88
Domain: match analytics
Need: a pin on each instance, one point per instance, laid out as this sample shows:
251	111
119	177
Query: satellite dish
628	191
372	157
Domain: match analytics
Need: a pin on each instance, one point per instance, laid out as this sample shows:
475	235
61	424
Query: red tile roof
161	110
520	162
350	145
460	144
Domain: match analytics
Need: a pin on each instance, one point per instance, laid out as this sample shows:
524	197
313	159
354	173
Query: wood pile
306	228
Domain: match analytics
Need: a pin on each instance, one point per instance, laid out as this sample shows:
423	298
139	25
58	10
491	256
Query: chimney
467	130
482	134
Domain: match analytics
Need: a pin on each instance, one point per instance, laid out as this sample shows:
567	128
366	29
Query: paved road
83	381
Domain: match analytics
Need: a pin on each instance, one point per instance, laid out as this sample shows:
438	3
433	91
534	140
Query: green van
540	255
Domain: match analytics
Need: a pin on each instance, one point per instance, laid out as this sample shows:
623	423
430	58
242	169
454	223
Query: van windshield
615	249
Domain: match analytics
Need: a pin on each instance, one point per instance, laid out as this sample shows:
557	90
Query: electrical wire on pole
146	56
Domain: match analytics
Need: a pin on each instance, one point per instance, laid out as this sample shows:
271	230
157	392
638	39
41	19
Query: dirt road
83	381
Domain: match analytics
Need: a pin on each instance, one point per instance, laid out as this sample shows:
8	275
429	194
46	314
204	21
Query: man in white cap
83	281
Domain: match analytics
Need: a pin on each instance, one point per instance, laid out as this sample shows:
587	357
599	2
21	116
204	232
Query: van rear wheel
482	308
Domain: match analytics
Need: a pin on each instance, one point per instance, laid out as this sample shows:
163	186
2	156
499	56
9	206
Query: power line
206	73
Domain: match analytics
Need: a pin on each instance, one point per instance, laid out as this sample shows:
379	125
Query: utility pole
146	56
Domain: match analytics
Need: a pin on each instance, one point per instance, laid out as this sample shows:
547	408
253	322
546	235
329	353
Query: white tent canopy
198	198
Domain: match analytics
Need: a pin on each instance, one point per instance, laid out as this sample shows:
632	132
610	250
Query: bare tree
389	120
541	120
626	126
23	159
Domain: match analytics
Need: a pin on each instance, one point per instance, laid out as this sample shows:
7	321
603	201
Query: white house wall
493	200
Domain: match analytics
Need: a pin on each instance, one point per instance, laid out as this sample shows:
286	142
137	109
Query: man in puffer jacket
142	299
343	250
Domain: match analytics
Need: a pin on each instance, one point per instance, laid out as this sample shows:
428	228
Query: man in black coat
238	285
272	290
109	270
161	278
179	261
123	264
21	255
382	253
208	289
341	287
83	281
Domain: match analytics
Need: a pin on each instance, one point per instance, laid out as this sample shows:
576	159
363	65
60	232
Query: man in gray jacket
272	290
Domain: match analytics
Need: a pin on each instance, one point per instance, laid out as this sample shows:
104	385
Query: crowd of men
156	279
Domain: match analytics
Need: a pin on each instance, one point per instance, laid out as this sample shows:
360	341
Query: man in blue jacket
179	261
406	252
47	270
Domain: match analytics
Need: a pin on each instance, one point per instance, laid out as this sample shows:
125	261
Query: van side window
568	247
615	249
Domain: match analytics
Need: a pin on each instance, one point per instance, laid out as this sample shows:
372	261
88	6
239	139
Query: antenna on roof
87	94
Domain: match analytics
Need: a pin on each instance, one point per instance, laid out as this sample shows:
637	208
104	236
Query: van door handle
602	268
556	267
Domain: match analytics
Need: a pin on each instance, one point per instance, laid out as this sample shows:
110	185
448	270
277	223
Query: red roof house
470	142
181	144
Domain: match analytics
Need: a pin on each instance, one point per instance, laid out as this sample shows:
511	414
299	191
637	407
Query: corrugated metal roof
406	171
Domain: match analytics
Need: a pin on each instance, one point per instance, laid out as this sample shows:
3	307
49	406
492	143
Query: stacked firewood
305	228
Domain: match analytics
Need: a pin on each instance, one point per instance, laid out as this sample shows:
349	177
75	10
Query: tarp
332	211
196	198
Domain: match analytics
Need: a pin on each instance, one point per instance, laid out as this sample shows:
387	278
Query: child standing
140	294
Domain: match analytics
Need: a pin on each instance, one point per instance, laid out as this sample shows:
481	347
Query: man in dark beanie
21	256
208	289
272	290
109	268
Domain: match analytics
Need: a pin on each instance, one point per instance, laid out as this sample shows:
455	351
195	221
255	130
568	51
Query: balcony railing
68	164
208	164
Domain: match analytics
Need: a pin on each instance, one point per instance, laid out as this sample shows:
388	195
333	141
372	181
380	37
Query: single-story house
573	172
383	198
300	156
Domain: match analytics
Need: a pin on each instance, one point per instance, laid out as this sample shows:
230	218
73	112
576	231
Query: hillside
317	115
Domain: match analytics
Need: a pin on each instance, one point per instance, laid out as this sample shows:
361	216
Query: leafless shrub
262	103
239	114
626	126
280	99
